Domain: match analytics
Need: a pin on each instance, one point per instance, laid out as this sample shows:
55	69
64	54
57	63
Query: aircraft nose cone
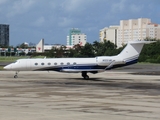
8	67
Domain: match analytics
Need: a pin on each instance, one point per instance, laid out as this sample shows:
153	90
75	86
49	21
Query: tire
86	77
15	76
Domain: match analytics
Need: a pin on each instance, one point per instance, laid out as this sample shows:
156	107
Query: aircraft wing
110	65
80	70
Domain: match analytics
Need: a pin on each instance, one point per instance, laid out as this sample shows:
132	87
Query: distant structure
128	30
76	37
25	43
49	47
109	34
40	46
4	35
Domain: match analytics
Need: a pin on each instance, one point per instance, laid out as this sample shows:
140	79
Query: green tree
150	52
59	52
23	45
96	46
87	51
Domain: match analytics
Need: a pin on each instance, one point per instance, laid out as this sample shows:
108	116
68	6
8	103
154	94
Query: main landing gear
84	75
16	75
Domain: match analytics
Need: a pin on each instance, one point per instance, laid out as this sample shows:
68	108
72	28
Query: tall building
76	37
4	35
153	30
133	29
129	30
109	34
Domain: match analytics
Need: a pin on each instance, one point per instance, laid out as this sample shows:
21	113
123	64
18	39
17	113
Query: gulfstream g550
128	56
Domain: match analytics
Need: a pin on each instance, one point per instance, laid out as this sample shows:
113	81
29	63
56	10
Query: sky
32	20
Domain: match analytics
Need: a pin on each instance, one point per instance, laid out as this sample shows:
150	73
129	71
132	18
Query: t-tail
131	52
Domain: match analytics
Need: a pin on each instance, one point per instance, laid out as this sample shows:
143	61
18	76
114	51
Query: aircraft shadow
105	83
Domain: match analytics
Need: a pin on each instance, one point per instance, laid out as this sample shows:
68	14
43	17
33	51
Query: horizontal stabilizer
141	42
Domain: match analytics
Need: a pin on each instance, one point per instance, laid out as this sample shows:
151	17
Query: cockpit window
15	61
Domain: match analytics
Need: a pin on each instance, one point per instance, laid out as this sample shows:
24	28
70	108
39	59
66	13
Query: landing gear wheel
84	75
16	76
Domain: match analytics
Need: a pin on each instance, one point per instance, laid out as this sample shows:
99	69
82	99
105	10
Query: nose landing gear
16	75
84	75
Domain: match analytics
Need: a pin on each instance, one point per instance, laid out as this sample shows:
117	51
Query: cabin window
42	63
49	63
74	63
62	63
55	63
68	63
36	63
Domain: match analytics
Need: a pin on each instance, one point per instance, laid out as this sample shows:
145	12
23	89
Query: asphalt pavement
120	94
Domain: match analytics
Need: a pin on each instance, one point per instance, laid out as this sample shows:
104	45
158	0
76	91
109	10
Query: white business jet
128	56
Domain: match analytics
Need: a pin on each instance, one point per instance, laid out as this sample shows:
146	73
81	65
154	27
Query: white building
41	47
49	47
129	30
133	29
153	31
76	37
109	34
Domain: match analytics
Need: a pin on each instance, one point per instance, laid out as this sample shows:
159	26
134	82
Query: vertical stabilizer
40	46
132	51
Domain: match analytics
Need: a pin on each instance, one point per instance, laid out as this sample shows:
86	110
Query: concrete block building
129	30
76	37
4	35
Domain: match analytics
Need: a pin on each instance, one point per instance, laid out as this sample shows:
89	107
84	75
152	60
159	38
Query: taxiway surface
113	95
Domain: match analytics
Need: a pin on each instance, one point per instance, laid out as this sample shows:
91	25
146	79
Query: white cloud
60	15
118	6
39	22
3	1
72	5
20	7
135	8
64	22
